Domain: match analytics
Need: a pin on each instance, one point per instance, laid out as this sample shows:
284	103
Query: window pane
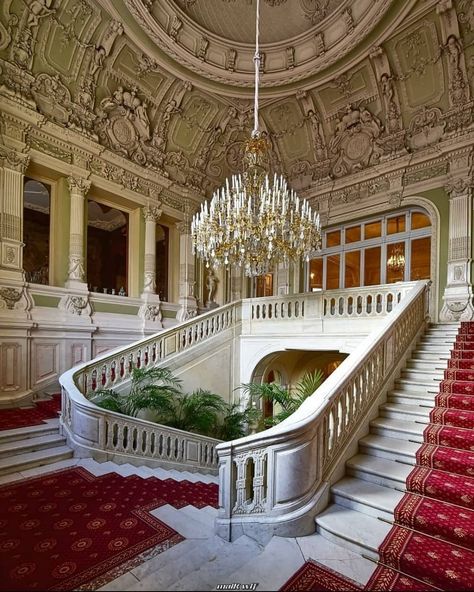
352	270
372	230
107	248
396	224
316	273
372	266
420	259
395	262
332	272
333	239
353	234
419	220
36	223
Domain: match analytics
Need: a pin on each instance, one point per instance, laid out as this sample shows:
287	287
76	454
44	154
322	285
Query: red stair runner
21	417
70	530
431	544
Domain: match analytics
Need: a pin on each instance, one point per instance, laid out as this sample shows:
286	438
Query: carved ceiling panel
353	86
72	61
289	129
418	64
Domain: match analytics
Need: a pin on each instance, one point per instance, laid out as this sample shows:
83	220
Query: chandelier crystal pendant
255	221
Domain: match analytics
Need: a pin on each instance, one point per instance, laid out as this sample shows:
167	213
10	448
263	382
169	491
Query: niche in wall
107	248
36	229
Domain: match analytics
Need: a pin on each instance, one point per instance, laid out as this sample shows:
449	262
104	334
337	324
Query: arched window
380	250
36	231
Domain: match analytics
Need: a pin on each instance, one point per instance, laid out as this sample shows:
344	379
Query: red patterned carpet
28	416
319	578
433	535
70	530
431	545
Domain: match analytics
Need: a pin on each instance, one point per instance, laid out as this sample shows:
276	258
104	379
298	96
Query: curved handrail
272	474
96	429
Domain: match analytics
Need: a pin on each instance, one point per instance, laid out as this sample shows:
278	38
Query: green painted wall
114	308
45	300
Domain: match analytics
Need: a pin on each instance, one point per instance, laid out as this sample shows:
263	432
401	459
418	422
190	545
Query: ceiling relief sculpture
84	68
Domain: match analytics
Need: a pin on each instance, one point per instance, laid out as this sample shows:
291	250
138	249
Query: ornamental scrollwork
10	297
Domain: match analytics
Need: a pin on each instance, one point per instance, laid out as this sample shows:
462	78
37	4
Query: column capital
78	184
459	186
16	161
152	213
183	227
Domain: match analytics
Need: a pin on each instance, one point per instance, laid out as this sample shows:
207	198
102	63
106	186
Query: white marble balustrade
271	482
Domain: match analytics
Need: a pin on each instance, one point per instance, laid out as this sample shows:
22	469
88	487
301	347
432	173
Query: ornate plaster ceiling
112	71
281	20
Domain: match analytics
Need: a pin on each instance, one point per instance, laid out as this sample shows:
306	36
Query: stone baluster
458	293
78	188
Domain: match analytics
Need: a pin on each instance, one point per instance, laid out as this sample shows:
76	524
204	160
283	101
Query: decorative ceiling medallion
203	40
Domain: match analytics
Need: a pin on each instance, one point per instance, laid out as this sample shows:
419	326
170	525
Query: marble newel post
187	301
78	188
150	311
458	293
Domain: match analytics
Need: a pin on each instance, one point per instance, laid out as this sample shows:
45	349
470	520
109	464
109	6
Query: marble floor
203	561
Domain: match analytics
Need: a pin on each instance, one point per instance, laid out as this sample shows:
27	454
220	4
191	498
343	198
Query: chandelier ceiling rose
255	222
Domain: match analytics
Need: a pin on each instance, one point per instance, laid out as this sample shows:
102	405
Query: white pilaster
78	188
150	311
458	293
187	299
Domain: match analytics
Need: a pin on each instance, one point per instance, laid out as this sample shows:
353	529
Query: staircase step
161	572
407	412
397	428
15	447
427	365
391	448
381	471
225	560
417	386
422	375
280	559
181	521
28	460
353	530
51	427
366	497
408	398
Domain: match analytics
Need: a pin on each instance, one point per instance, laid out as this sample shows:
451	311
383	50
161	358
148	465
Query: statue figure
142	121
38	9
211	284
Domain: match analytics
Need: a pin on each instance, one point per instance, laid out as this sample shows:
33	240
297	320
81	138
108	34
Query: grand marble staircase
363	501
348	532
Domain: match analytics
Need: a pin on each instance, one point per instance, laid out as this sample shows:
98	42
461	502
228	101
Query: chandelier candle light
254	222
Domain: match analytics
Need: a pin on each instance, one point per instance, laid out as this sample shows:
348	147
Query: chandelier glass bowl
255	221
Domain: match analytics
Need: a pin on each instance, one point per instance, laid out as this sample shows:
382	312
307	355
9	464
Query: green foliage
158	390
287	401
150	388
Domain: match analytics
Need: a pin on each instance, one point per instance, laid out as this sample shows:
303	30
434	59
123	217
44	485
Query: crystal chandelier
255	221
396	261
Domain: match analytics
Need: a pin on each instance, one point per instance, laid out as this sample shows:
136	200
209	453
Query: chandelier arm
256	60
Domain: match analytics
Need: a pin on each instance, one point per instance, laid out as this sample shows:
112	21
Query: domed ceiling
346	85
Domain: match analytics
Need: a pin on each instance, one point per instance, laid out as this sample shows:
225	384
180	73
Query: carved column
78	188
13	171
151	214
458	293
187	300
150	310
